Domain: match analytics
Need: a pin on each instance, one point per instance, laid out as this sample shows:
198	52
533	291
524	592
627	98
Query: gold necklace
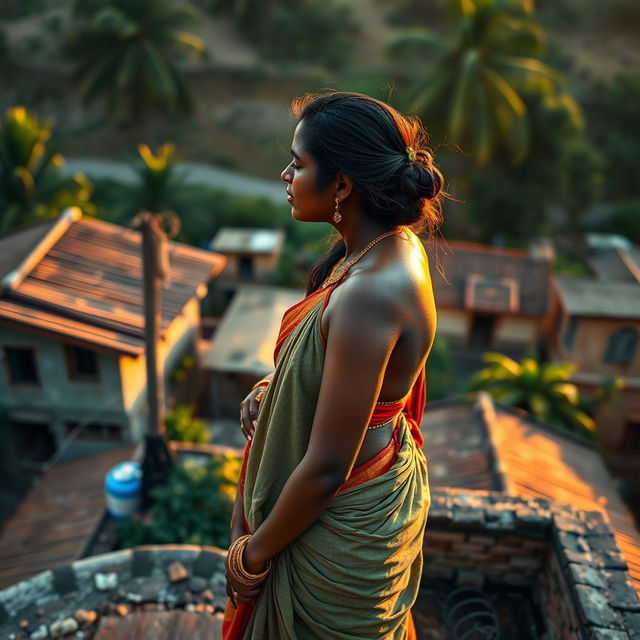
337	273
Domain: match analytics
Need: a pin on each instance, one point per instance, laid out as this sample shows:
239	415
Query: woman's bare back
401	269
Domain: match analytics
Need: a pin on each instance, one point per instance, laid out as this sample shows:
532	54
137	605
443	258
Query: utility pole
158	459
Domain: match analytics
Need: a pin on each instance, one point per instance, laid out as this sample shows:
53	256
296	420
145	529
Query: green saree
355	573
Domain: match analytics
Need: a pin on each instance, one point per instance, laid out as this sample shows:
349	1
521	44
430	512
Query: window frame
31	384
613	352
71	364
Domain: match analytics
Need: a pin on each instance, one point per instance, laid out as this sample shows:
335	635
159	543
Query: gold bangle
237	569
264	382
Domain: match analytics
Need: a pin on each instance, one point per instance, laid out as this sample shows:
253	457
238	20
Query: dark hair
367	140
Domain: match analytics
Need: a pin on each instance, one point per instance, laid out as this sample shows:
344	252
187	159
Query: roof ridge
12	279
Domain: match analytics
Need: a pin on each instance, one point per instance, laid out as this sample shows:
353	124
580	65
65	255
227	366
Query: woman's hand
237	592
240	593
249	408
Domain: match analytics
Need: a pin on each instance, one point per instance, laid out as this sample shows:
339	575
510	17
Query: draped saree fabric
355	573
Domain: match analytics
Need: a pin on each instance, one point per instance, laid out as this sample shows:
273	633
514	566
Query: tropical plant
439	370
193	507
613	118
32	182
182	426
543	390
561	168
124	51
473	92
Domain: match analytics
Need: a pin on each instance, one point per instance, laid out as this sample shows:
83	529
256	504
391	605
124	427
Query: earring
336	216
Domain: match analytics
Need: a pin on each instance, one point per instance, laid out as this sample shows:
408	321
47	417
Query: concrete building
491	298
596	324
252	256
71	331
241	351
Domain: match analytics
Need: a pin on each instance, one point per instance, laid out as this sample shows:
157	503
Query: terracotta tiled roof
457	447
512	452
461	260
83	279
52	523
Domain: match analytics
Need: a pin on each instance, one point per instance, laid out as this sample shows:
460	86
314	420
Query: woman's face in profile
307	203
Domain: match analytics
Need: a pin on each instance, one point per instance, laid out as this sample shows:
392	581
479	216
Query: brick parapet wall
569	558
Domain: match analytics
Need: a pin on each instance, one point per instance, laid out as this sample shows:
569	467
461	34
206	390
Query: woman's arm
364	329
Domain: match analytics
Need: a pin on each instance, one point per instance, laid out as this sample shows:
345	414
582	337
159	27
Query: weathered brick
623	594
517	578
632	624
469	516
568	523
526	562
610	559
480	539
583	574
445	536
469	578
598	633
594	607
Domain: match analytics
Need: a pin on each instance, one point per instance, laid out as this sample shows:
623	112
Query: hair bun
420	179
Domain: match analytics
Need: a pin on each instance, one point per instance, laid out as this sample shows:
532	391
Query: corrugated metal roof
89	282
459	259
247	240
247	335
616	264
589	297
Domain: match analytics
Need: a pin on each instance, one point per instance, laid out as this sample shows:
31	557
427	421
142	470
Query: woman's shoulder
396	284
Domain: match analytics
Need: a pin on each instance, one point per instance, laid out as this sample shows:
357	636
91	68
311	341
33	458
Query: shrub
193	507
183	427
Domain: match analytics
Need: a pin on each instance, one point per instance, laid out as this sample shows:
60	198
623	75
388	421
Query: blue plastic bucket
123	485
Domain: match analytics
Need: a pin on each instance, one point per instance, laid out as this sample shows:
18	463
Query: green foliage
193	507
562	167
473	94
439	370
543	390
624	220
614	120
4	44
125	50
183	427
32	183
313	31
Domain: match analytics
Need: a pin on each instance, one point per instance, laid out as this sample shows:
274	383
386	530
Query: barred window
622	345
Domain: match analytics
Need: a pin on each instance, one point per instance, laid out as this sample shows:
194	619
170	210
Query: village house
252	255
241	352
71	332
596	324
491	298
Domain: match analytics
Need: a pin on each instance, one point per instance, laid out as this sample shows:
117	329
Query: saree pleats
355	573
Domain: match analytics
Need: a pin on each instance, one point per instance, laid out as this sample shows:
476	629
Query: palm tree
124	50
473	92
32	183
543	390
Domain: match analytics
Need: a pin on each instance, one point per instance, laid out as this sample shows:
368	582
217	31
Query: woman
330	513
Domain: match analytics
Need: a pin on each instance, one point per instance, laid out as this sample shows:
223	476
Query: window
82	364
21	365
630	443
96	431
570	332
245	267
622	345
